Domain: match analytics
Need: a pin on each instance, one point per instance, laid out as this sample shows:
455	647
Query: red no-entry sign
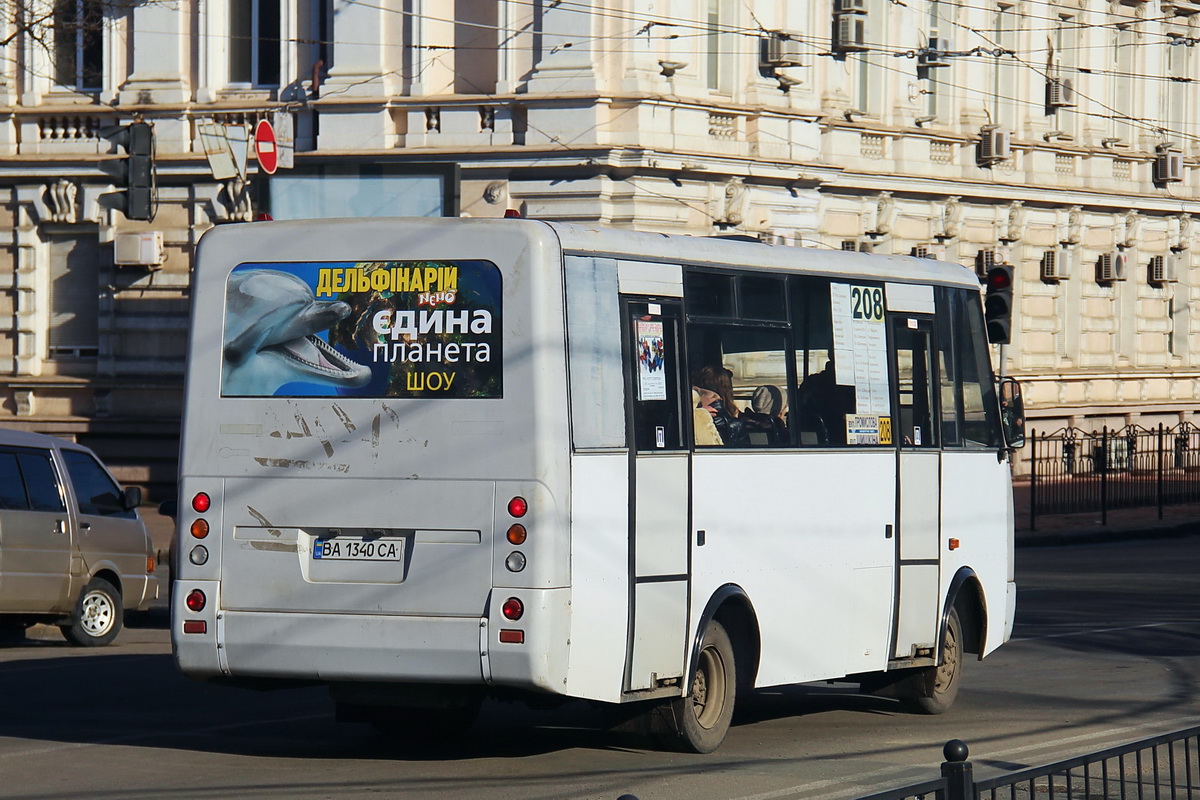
264	147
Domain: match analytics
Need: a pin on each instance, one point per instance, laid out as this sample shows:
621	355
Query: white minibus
423	459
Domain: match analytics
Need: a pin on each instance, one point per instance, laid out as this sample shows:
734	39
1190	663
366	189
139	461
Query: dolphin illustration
270	320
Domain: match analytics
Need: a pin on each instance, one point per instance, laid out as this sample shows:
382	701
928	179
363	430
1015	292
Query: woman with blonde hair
719	380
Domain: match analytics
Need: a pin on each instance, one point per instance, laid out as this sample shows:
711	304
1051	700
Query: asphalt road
1107	650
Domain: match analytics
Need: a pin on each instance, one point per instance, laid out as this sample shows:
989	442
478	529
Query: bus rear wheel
932	690
698	721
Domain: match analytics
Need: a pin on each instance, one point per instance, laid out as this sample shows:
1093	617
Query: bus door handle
699	538
887	531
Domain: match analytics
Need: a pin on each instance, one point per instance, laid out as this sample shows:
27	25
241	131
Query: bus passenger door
918	485
660	467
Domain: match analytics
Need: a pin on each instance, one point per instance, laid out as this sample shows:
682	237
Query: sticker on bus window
651	356
417	329
868	429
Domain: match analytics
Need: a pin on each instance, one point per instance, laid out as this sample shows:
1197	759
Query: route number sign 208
866	303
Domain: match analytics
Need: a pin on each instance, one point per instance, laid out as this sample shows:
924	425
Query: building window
254	42
74	297
79	44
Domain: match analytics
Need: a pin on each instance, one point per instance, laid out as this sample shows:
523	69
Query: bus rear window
418	329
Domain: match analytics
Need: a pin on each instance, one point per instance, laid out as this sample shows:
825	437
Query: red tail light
513	609
196	600
195	626
517	507
201	503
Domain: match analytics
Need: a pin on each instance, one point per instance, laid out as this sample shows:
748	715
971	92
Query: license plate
356	548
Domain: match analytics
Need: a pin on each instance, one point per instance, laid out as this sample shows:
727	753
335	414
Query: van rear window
419	329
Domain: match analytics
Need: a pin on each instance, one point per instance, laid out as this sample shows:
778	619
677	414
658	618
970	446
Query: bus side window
981	422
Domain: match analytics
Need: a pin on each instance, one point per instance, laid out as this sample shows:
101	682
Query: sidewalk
1123	524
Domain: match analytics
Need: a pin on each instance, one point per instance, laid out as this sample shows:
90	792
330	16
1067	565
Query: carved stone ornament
885	210
736	200
1014	225
60	200
1182	240
1133	228
235	201
1074	232
950	218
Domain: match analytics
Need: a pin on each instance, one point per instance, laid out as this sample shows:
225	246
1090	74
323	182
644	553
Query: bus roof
721	252
374	239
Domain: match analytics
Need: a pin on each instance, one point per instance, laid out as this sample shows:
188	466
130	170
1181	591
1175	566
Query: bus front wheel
698	721
932	690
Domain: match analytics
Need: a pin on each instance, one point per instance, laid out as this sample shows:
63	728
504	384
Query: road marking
1087	631
803	788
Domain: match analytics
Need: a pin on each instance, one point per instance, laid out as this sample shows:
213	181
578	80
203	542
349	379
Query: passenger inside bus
704	430
821	407
766	420
717	379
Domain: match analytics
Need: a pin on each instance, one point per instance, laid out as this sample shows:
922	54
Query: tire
98	616
698	721
932	690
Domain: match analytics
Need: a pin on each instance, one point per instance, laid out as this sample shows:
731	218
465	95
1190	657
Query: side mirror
169	508
131	498
1012	413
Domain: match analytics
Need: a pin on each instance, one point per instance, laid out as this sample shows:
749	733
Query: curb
1089	536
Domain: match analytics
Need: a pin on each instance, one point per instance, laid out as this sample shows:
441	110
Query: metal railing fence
1165	767
1074	471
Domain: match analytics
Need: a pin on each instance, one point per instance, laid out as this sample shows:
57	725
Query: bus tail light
195	626
517	533
517	507
513	609
199	528
196	600
512	637
201	502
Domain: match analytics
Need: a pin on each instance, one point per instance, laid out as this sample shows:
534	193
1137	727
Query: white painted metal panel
977	510
655	280
920	510
920	608
599	575
661	518
658	643
797	531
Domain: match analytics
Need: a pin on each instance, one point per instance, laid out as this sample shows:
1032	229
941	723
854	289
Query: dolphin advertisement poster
419	329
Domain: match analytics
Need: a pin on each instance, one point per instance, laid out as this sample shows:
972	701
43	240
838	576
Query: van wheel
98	615
698	721
932	690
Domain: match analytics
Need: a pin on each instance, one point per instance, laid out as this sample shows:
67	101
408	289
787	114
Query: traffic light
997	304
134	174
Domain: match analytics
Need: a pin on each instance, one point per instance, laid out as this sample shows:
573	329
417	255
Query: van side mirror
131	498
169	508
1012	413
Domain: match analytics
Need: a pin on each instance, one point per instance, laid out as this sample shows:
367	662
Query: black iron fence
1072	470
1161	767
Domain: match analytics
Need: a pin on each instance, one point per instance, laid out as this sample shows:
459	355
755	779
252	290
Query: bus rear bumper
357	647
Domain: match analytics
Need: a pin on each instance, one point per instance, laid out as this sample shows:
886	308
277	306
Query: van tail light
517	507
512	637
201	502
199	528
195	626
196	601
513	609
150	564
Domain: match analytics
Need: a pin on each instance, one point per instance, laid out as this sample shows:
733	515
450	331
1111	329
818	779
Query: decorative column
160	33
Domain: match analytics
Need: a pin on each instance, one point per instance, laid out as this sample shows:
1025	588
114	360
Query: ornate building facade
1056	137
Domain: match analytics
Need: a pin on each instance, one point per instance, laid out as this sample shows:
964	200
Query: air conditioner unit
782	49
1054	266
1168	164
995	145
1060	93
1163	269
142	249
1110	268
934	54
927	250
850	7
985	260
850	34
